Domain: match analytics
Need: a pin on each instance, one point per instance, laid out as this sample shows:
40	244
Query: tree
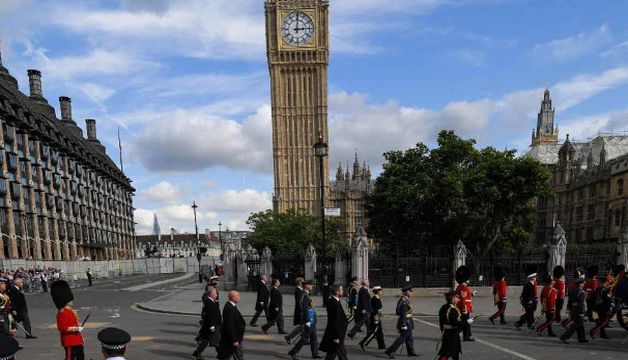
288	234
433	198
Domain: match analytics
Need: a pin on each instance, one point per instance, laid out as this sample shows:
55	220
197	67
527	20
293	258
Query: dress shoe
390	355
316	356
492	321
583	341
604	337
563	340
282	332
293	356
551	335
413	354
264	330
31	337
468	339
287	339
518	326
252	325
362	347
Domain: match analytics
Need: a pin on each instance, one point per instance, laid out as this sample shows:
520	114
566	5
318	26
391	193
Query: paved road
159	336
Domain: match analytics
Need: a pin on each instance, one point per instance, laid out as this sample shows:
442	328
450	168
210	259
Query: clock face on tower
297	28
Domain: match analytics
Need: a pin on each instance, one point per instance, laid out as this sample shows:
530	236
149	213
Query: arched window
620	187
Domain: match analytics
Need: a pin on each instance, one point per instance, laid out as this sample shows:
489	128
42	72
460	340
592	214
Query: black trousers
549	319
466	327
357	327
296	331
374	331
339	352
277	320
405	336
257	314
501	310
527	317
577	325
44	286
308	334
590	307
74	353
559	308
26	322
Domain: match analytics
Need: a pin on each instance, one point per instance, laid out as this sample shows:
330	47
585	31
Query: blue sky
187	83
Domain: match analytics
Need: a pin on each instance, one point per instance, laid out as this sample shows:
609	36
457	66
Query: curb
158	283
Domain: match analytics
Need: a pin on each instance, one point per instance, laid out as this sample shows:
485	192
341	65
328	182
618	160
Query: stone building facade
61	196
588	180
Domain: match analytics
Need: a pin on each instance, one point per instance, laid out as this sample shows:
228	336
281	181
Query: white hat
533	275
375	288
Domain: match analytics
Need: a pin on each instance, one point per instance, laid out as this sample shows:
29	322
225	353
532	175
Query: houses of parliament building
589	179
61	196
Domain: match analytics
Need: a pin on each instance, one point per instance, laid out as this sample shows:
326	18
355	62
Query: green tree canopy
433	198
288	234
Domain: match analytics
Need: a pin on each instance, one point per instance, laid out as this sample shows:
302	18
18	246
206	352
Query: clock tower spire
546	133
297	45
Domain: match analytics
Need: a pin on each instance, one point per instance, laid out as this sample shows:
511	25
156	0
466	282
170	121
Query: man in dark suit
89	276
275	310
20	310
363	311
232	331
308	324
212	322
298	297
333	342
261	305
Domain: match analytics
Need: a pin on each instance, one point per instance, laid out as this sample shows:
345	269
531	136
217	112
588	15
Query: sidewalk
186	300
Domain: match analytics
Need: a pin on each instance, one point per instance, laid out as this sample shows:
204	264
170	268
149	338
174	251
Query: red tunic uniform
589	287
499	291
464	292
548	298
536	291
559	285
67	318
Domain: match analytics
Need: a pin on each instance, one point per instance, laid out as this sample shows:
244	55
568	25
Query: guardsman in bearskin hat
67	321
603	305
559	284
577	308
499	296
463	275
450	321
528	300
375	329
8	347
548	305
113	342
405	324
590	286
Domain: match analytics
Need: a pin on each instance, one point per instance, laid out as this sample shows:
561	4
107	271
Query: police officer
375	329
405	324
8	347
450	321
114	342
363	311
577	309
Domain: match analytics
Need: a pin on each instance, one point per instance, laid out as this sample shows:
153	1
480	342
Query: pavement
187	301
157	336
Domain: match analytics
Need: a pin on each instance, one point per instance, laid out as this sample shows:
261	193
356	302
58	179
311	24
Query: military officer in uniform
352	299
363	312
114	342
577	309
450	321
463	275
8	347
261	305
308	322
499	297
275	310
548	305
405	324
528	301
375	329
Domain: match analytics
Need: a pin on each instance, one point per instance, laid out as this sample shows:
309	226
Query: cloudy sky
187	83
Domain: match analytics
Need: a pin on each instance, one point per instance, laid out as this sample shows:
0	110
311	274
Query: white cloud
97	93
231	207
164	192
575	46
189	141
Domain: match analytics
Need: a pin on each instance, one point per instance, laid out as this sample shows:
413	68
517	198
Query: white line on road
494	346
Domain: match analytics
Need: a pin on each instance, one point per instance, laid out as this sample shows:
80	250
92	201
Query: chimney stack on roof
34	82
66	107
91	129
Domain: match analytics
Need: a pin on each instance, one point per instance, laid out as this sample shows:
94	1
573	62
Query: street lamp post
321	151
222	245
198	245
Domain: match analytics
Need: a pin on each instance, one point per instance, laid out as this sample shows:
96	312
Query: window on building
579	214
620	187
17	220
591	212
617	218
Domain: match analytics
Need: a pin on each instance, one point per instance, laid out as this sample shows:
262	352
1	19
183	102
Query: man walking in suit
275	310
298	299
261	305
212	322
333	342
363	311
20	310
232	331
308	323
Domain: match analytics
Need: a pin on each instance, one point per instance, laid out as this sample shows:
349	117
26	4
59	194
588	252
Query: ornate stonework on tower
297	42
546	133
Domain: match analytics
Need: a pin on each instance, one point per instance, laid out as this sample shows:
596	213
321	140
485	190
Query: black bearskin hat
558	272
592	271
61	293
463	274
547	278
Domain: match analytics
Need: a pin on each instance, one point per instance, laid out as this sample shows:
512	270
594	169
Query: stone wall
116	268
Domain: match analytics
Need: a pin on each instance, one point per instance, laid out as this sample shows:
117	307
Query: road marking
159	283
494	346
142	338
88	325
256	337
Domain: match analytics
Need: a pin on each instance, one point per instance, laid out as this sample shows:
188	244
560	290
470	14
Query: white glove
308	324
355	308
80	329
470	321
363	311
212	329
276	309
261	303
404	328
375	322
474	292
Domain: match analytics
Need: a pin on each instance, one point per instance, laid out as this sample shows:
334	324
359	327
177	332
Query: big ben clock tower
297	43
